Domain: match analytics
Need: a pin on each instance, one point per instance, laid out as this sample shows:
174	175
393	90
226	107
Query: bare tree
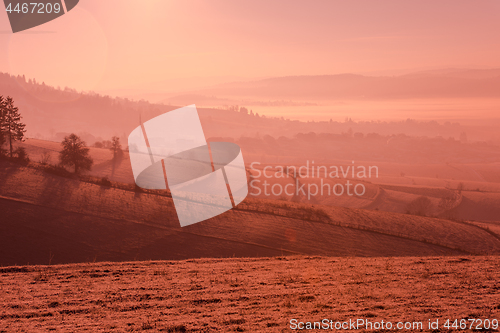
45	158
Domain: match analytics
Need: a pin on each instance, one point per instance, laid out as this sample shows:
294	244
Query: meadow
247	295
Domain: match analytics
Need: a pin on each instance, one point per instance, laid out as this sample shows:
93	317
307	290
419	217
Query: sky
113	44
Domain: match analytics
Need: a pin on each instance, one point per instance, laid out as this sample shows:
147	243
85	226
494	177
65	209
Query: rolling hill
51	113
452	83
52	219
396	187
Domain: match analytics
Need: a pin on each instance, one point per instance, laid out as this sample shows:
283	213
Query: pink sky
123	43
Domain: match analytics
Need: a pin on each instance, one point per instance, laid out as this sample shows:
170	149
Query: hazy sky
106	44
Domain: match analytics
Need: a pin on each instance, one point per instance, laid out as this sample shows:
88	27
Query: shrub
177	328
58	170
420	206
45	159
105	181
21	155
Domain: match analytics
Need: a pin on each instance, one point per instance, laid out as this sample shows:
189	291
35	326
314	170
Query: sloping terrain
253	295
51	219
479	206
395	188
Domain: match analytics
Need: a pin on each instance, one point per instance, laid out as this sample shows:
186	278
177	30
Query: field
252	295
79	255
53	219
397	184
367	135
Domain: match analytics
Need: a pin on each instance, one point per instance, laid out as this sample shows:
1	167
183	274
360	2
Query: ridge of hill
392	192
47	217
428	84
51	113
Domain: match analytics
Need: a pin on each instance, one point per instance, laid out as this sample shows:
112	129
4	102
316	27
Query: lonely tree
11	127
75	153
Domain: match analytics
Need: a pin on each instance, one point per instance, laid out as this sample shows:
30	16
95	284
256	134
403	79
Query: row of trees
76	154
74	151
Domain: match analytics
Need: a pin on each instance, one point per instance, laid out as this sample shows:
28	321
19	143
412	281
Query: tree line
74	152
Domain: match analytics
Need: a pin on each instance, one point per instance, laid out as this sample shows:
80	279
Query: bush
420	206
105	181
45	159
21	155
58	170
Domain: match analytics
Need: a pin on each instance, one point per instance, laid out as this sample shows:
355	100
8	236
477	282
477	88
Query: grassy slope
46	216
433	181
481	206
252	295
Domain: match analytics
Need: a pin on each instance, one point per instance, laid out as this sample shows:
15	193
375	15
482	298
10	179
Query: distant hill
51	113
429	84
480	74
48	110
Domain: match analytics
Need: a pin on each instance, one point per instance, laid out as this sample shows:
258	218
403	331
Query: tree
420	206
75	153
2	117
463	137
116	147
11	127
448	202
